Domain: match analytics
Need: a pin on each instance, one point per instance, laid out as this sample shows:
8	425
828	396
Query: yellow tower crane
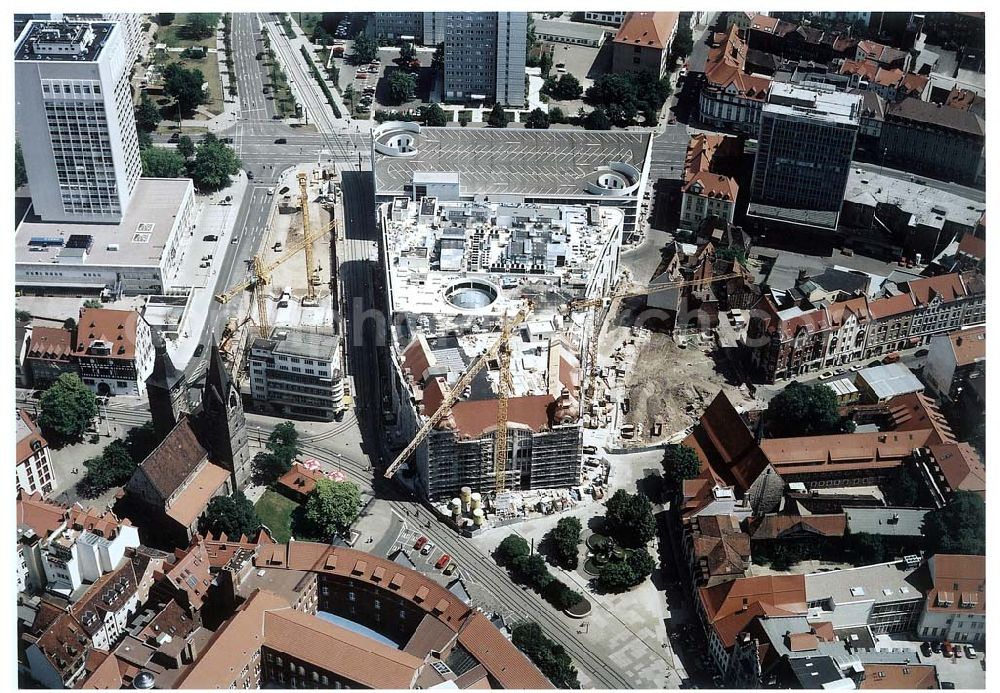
505	388
312	277
454	392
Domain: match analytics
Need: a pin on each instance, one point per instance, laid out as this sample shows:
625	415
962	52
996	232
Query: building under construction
457	273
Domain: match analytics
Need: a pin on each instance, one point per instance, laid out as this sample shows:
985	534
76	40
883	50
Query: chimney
958	341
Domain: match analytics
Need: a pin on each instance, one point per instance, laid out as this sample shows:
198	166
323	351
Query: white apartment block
77	128
614	19
33	464
297	373
85	547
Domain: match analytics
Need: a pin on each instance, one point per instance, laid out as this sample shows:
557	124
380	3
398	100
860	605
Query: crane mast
310	262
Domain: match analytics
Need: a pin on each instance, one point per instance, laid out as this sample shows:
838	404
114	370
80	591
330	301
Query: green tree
407	52
365	49
550	657
683	41
145	141
630	518
160	162
510	549
537	120
903	488
402	87
597	119
147	115
560	596
565	537
67	408
284	442
165	18
20	172
185	86
214	163
566	88
113	467
497	117
199	26
556	115
803	410
864	548
233	515
545	63
531	570
320	37
268	468
22	316
434	116
618	575
681	462
185	147
331	508
140	441
977	438
959	527
69	324
92	303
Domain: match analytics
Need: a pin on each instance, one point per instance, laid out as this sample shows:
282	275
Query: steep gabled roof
731	606
728	452
173	460
647	29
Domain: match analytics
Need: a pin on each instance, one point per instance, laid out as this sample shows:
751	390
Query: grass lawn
170	35
209	66
275	511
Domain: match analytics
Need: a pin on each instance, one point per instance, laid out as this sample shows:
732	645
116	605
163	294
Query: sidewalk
219	220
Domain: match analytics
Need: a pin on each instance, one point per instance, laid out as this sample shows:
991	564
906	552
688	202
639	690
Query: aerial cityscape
526	350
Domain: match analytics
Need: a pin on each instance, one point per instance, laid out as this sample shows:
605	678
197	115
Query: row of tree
550	657
530	569
211	164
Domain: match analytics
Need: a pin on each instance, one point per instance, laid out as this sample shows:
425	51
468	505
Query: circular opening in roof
471	294
612	181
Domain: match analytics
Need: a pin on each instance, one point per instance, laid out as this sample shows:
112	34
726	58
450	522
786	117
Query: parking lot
425	562
963	672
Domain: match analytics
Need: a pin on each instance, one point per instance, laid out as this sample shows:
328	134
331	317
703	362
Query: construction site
291	281
489	347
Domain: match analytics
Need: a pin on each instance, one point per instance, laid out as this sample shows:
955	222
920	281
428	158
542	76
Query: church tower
166	390
222	426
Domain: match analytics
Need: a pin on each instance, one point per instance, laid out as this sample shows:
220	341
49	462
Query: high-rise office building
77	126
804	151
484	55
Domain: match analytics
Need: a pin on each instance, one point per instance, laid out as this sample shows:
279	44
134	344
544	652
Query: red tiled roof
915	411
888	77
327	646
732	606
109	594
192	501
116	327
948	286
914	82
65	644
972	245
839	311
906	677
719	540
726	447
962	99
773	526
763	22
191	574
968	345
502	660
648	29
50	343
301	479
41	515
416	359
864	68
961	467
174	459
957	579
712	185
25	445
842	452
725	66
102	522
891	305
473	418
221	549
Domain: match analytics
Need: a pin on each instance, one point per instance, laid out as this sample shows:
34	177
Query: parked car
920	352
947	686
419	543
428	547
856	367
210	238
925	649
826	375
452	567
236	239
970	652
199	350
443	561
946	649
175	137
958	651
249	175
936	647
